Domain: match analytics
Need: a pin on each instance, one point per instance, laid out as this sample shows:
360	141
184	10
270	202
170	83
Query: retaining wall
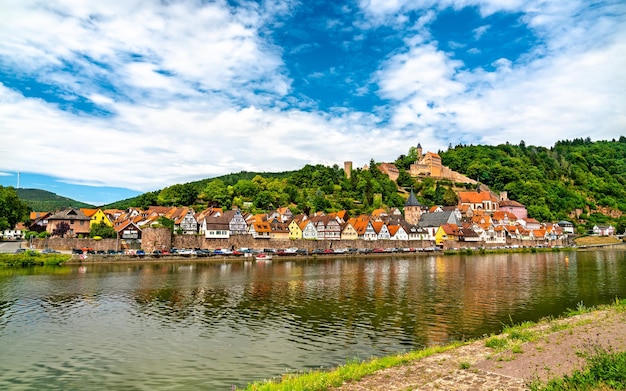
161	238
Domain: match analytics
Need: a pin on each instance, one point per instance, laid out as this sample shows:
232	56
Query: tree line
553	183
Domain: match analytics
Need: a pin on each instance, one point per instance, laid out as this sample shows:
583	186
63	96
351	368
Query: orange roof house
479	200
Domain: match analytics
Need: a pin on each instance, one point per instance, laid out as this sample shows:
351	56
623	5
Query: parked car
49	251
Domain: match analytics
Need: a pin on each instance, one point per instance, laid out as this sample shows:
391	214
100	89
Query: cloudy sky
103	100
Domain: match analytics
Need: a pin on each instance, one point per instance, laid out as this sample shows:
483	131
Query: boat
263	257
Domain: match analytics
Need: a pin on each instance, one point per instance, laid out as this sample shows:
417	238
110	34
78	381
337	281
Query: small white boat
263	257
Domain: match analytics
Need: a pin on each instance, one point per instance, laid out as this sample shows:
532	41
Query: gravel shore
558	347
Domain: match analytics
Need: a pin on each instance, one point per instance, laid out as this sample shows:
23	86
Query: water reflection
210	325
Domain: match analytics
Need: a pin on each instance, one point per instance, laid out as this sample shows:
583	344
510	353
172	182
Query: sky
102	101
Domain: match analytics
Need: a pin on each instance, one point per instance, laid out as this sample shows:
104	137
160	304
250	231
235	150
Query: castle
429	164
426	165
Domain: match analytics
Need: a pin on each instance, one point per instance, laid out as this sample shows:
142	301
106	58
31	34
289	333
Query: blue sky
101	101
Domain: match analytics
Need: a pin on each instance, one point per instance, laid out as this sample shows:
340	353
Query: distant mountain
45	201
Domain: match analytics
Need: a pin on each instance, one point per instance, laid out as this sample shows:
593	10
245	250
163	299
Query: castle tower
419	152
347	168
412	209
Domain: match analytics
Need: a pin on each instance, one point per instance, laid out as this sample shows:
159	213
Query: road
10	247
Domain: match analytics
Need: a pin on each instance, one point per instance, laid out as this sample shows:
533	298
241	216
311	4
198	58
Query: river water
212	326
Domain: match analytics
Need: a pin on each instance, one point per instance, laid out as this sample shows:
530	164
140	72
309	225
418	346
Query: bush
32	258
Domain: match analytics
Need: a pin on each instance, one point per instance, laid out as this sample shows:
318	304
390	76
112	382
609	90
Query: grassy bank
355	370
32	258
596	240
606	372
602	370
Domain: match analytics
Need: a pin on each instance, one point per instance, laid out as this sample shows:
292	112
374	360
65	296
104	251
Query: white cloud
480	31
569	87
197	90
205	46
145	148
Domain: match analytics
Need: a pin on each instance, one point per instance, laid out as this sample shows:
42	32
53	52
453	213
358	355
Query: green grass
316	380
605	371
497	343
580	309
32	258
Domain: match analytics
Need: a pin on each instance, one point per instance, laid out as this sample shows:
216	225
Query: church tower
412	209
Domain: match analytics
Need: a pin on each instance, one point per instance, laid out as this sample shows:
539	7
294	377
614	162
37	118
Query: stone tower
412	209
419	153
347	168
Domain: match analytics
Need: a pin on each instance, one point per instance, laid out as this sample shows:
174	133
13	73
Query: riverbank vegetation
606	372
605	368
32	258
353	370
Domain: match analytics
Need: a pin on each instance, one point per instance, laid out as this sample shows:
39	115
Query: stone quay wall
161	239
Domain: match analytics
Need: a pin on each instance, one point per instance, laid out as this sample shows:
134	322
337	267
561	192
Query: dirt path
560	349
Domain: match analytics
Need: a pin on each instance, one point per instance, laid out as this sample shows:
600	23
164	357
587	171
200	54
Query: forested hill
42	200
552	182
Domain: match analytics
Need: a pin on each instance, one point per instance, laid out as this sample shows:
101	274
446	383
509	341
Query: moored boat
263	257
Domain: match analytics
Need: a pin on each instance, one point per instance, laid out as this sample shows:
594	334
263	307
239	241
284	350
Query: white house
603	230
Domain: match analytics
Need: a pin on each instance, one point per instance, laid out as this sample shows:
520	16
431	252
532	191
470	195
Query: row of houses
480	217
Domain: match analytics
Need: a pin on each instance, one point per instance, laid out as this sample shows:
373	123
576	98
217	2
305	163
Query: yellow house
348	232
447	232
97	216
294	230
440	236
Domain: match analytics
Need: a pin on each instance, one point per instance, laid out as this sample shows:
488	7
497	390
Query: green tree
165	222
450	197
404	179
146	200
217	194
12	209
263	200
246	188
178	195
102	230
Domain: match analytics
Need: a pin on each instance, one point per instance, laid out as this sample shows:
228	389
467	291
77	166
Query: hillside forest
578	180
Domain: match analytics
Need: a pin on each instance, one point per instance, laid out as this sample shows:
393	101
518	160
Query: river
214	325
